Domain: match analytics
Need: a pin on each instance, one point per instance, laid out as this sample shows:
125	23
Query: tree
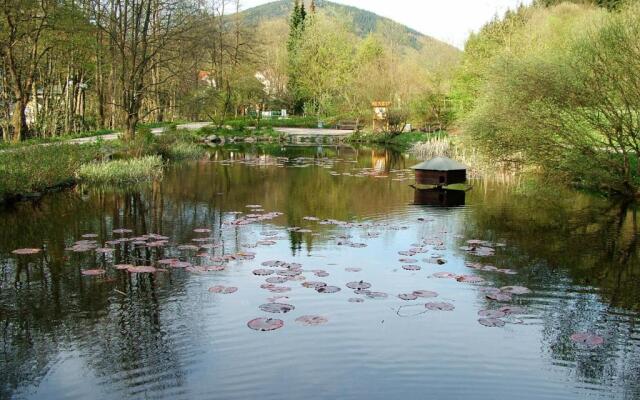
24	23
142	33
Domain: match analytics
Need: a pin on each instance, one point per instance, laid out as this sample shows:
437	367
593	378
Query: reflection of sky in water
194	344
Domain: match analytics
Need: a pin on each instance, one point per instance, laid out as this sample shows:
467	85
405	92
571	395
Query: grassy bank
127	171
30	171
400	140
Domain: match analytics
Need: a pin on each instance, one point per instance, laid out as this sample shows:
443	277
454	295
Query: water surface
164	335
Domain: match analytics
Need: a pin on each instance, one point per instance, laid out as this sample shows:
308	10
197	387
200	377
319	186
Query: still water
344	215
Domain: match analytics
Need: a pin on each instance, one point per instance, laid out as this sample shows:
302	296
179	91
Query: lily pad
265	324
470	279
515	289
439	306
588	339
312	320
491	322
314	285
23	252
492	313
445	275
93	272
407	296
376	295
328	289
276	279
425	293
359	285
277	308
262	272
411	267
499	296
408	260
123	266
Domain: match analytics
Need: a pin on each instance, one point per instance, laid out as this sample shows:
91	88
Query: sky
448	20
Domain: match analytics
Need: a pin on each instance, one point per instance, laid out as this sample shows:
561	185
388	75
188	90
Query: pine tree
296	30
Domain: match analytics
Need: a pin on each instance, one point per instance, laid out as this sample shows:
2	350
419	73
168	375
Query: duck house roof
440	164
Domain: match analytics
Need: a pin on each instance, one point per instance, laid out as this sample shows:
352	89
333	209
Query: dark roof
440	164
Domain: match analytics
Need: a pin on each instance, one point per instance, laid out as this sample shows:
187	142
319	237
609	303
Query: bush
128	171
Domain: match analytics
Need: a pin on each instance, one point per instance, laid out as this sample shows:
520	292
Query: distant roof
440	164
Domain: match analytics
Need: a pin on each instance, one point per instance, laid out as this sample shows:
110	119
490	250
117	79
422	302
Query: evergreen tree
296	30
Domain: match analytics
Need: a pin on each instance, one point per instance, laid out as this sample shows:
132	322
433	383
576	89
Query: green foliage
126	171
38	168
559	98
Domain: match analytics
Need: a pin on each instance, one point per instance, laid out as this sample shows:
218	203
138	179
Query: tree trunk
20	129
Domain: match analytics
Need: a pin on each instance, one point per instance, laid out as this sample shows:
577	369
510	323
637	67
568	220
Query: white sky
448	20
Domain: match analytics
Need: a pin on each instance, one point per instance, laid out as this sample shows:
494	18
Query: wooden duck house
440	171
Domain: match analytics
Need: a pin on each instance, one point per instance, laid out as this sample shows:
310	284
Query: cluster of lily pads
278	275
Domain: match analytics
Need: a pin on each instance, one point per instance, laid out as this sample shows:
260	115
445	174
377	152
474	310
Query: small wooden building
440	171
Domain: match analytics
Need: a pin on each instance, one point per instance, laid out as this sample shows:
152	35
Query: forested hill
364	22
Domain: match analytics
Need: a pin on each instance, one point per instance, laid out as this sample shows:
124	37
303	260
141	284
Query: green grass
128	171
30	170
54	139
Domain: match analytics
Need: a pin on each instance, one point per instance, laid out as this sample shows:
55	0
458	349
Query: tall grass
129	171
28	170
478	165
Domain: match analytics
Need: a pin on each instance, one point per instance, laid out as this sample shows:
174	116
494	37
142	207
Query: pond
353	289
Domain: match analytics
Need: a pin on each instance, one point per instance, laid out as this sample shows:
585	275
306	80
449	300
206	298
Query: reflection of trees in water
45	300
583	250
46	304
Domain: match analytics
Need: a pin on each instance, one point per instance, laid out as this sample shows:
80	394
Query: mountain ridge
364	22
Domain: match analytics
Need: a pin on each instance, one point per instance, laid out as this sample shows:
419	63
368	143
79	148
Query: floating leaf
93	272
376	295
314	285
408	260
588	339
123	266
279	289
356	300
425	293
312	320
492	313
439	306
122	231
328	289
359	285
499	296
23	252
491	322
321	273
202	230
276	279
262	272
407	296
277	308
515	289
265	324
411	267
444	275
512	310
469	279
